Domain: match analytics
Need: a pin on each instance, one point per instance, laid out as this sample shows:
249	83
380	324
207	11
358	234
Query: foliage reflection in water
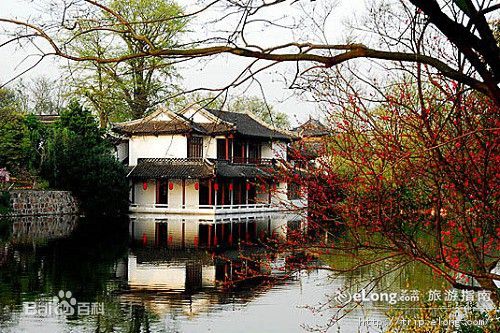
155	274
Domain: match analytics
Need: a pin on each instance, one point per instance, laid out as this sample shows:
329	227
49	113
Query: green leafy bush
79	159
4	202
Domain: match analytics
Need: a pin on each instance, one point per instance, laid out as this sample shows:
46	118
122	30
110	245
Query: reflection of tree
381	275
139	319
83	263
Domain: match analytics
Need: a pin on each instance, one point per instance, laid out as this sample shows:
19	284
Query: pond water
150	274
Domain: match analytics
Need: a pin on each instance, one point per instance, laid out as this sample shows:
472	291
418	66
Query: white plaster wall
262	197
163	117
267	150
197	115
303	201
299	203
278	225
175	195
162	146
210	146
192	195
279	149
122	151
145	196
280	195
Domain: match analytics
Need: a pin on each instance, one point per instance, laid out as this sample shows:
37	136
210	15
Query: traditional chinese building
202	161
312	143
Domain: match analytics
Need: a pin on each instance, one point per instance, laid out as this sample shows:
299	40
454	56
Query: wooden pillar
158	183
240	193
232	148
246	192
231	193
270	186
210	191
215	194
183	234
227	148
246	156
221	187
183	193
209	236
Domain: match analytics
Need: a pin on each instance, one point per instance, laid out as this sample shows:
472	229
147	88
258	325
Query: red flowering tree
418	175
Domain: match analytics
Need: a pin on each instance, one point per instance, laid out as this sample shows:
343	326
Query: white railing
244	206
134	205
204	207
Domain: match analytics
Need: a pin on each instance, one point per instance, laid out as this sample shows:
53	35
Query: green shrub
79	159
4	202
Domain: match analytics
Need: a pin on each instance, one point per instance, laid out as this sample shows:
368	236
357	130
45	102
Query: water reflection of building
179	258
178	232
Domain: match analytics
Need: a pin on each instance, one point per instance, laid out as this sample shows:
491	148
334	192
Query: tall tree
42	95
130	88
14	141
79	159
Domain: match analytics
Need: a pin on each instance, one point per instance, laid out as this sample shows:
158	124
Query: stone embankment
36	203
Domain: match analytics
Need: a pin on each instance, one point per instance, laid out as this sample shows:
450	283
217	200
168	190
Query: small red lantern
248	186
263	188
144	186
196	186
216	186
230	187
170	186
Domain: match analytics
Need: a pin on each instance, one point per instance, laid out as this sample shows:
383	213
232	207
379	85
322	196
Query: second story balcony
251	160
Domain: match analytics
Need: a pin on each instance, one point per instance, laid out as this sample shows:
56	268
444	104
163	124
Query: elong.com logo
345	297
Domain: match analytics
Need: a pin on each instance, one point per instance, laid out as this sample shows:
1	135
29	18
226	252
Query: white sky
222	69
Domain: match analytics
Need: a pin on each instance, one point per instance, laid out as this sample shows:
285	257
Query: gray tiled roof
312	128
153	127
224	169
177	168
248	126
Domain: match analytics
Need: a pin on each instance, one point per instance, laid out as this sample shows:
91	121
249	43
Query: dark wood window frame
195	147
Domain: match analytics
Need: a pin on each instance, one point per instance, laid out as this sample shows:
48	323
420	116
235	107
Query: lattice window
195	147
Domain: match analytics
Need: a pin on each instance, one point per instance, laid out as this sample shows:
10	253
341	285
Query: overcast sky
221	70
